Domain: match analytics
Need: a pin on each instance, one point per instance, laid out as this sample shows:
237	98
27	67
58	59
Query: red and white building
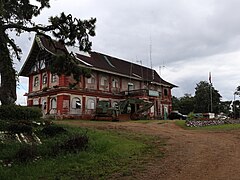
111	79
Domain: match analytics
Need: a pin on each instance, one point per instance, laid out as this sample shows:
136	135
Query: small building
112	79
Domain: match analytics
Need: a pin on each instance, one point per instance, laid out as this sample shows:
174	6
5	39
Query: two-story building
111	79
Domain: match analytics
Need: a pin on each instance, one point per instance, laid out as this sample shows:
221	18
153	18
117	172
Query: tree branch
28	29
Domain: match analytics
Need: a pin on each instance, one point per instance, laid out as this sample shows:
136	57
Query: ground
188	154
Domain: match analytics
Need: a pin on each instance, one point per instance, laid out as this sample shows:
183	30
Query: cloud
190	38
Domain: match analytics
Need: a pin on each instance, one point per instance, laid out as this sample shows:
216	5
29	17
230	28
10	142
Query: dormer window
44	79
36	81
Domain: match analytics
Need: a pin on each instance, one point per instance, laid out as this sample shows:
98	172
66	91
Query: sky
186	39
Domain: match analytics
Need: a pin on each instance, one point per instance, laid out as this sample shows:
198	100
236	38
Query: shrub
26	153
3	125
75	143
18	128
52	130
14	112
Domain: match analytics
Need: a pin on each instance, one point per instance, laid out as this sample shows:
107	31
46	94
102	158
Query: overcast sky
188	38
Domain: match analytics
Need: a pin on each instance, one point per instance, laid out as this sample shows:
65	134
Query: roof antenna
150	56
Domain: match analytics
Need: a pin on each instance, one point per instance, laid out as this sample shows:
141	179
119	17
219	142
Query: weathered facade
111	79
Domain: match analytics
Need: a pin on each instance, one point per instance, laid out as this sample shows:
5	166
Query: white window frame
36	81
76	103
91	103
44	79
54	105
54	78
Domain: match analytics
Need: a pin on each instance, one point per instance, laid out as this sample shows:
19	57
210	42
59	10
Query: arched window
90	104
44	79
36	81
76	103
53	103
44	104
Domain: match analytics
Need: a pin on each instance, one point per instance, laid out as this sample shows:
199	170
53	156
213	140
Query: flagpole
210	81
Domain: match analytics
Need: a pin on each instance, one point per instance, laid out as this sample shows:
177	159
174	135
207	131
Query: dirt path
190	155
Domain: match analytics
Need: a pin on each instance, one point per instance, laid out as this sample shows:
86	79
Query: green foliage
107	153
16	16
14	112
203	98
52	130
73	144
26	153
17	128
183	104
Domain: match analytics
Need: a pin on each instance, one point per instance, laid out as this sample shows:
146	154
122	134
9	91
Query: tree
175	103
183	104
17	16
186	104
202	99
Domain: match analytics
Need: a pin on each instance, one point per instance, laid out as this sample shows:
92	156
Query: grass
223	127
108	153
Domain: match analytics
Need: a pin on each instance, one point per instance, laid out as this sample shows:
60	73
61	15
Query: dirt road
190	155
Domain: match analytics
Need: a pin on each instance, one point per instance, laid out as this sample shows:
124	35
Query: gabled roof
41	43
96	61
118	66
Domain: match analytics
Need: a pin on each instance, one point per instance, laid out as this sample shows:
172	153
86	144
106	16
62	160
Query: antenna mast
150	56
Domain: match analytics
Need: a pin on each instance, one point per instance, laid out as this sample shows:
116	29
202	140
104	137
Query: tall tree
175	103
186	104
17	16
204	94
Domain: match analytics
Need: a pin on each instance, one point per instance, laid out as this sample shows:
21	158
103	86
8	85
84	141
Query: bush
17	128
26	153
52	130
75	143
14	112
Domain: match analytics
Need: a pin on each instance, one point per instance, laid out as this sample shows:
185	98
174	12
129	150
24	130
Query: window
54	78
76	103
44	79
42	64
130	86
165	92
90	104
44	104
35	101
104	81
36	81
115	83
91	80
53	103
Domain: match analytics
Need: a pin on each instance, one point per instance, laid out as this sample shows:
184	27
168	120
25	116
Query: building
111	79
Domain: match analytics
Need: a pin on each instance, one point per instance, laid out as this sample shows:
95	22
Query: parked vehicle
177	115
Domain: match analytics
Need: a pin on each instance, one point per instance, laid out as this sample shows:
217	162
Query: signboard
153	93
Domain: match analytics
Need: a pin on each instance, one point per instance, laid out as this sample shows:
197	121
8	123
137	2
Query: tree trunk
7	73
